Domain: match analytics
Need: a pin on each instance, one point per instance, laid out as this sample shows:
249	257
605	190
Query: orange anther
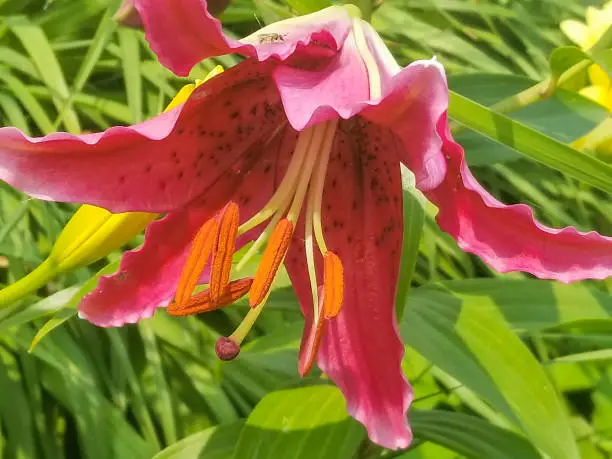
201	302
221	265
333	285
199	254
310	345
272	258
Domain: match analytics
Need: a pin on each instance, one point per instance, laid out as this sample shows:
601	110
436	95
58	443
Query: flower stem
28	284
540	91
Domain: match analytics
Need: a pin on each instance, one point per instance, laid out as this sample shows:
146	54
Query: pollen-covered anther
226	348
199	255
223	252
310	346
333	285
201	302
272	258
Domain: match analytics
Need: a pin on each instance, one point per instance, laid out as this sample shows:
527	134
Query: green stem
539	91
28	284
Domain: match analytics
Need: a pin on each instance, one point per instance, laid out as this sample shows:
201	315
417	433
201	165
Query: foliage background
503	366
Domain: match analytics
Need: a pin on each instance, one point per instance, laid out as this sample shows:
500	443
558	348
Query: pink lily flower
298	146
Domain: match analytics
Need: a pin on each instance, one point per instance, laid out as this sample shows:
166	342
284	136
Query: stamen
287	185
315	196
272	258
196	261
221	265
263	237
310	261
201	302
313	212
333	285
310	348
368	59
314	149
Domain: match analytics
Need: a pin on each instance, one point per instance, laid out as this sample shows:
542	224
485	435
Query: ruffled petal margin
509	238
147	276
183	33
156	166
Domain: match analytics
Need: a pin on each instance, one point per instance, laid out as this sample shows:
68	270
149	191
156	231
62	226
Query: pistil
368	59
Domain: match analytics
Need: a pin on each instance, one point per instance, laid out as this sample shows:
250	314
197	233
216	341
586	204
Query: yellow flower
586	35
92	232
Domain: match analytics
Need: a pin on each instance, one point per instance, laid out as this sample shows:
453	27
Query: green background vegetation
503	366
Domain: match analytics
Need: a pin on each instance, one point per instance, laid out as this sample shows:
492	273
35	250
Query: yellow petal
592	16
595	93
186	90
92	233
576	31
598	22
604	150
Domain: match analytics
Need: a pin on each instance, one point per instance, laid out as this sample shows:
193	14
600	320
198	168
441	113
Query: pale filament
291	191
287	185
313	213
315	195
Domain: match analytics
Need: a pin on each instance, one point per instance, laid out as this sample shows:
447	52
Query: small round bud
227	349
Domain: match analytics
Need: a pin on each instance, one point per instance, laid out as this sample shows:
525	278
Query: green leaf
213	443
564	58
302	7
472	341
34	40
414	221
13	112
470	436
530	305
21	93
531	143
565	116
48	305
303	423
130	47
69	309
14	409
162	392
601	355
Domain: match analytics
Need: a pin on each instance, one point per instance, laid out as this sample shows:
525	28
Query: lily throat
297	199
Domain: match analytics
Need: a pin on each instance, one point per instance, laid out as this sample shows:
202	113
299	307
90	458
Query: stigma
298	194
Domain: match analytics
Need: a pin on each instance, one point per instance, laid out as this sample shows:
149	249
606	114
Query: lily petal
310	97
386	63
183	33
148	276
508	238
156	166
412	103
576	31
361	350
